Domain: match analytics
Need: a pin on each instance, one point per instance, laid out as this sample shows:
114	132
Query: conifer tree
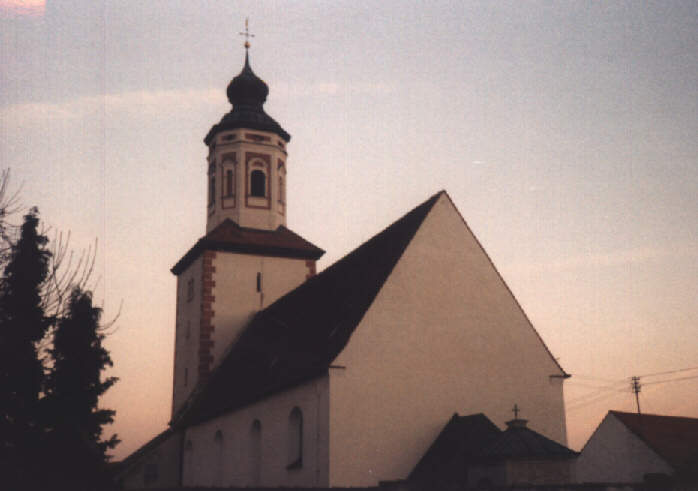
73	390
22	325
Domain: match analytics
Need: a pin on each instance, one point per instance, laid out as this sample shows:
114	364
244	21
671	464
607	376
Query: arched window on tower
229	182
212	188
282	197
258	184
256	453
295	439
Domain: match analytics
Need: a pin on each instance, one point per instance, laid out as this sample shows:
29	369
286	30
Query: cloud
156	103
22	8
141	102
331	89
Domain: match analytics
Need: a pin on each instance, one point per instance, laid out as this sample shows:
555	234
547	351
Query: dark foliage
50	374
73	388
22	326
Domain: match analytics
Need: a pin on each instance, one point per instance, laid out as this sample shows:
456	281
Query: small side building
633	448
154	465
472	453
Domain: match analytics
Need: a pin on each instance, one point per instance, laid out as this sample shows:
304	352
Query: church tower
248	258
247	160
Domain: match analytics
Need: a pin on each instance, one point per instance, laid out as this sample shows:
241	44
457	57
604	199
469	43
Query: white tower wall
233	156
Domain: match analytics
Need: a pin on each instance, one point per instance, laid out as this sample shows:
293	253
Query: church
285	377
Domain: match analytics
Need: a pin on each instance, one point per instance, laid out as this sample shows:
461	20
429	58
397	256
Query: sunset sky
565	132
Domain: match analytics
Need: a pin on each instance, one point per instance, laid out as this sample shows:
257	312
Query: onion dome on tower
247	93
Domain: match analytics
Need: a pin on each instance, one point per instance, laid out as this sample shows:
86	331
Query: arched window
211	184
281	189
229	182
295	439
256	453
258	184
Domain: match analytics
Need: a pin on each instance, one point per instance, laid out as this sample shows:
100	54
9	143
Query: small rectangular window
190	290
259	282
229	183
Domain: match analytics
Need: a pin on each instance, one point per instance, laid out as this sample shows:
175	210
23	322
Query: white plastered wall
229	464
236	295
187	334
443	335
615	454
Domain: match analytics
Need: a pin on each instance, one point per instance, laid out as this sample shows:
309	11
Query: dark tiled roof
520	442
458	442
247	117
229	236
297	337
143	450
673	438
247	93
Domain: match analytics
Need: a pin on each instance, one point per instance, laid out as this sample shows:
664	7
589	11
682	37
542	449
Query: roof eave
269	251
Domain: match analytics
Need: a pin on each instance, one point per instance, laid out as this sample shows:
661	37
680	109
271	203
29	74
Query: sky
565	133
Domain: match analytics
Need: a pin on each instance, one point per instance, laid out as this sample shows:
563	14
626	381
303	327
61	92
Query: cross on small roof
516	411
247	33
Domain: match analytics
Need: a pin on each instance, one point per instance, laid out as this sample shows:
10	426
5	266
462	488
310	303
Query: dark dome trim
259	120
247	93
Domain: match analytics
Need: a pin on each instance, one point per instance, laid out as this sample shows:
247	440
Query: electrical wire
670	380
594	400
668	372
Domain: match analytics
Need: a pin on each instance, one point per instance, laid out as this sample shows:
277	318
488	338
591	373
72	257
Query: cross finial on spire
516	411
247	33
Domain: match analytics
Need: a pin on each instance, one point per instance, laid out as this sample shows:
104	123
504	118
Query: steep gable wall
443	335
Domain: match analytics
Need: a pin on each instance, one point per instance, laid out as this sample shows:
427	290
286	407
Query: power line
582	384
604	391
594	395
671	380
668	372
597	398
589	377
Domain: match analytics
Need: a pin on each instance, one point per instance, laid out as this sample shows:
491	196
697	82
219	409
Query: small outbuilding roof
459	441
520	442
673	438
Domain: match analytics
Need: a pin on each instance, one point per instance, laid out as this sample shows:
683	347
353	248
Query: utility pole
635	386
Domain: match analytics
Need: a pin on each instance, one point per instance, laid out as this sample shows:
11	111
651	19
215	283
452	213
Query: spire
247	36
247	89
247	93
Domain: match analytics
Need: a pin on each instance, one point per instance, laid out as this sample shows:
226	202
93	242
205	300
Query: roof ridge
651	415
